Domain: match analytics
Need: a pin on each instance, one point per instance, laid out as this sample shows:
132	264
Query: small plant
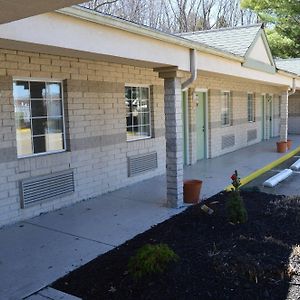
151	259
235	208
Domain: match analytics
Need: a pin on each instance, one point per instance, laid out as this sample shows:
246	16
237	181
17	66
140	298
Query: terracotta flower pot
281	147
289	144
191	191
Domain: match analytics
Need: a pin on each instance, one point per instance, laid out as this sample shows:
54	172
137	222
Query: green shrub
236	210
151	259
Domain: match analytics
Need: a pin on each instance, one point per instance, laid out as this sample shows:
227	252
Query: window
137	112
251	108
226	109
279	106
39	117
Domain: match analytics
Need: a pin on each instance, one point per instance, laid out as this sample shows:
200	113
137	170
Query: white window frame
229	108
251	113
150	115
35	79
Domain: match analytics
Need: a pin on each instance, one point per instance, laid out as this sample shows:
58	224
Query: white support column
284	116
174	135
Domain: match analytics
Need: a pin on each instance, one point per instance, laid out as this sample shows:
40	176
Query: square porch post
284	116
174	136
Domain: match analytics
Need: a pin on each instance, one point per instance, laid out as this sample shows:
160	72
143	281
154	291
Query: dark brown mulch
218	260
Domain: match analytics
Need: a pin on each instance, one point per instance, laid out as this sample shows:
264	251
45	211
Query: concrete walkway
216	172
36	252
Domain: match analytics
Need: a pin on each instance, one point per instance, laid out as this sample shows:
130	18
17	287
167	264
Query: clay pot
289	144
191	191
281	147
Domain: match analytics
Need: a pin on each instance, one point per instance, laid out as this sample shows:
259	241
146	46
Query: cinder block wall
96	126
276	114
294	113
215	85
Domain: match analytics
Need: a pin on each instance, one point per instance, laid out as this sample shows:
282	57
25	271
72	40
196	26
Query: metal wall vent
251	135
141	163
38	189
228	141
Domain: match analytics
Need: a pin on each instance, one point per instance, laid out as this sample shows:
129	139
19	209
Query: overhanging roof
235	40
142	30
291	65
12	10
67	35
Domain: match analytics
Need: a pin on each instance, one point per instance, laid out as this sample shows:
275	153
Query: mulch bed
218	260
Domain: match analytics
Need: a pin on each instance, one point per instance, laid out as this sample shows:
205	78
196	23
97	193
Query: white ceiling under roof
12	10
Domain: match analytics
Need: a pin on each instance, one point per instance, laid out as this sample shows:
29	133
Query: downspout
293	91
193	70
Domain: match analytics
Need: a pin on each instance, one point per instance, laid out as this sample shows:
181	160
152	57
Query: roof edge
278	60
287	59
287	73
121	24
220	29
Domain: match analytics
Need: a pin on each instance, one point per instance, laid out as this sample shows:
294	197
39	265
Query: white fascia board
287	73
219	56
55	30
95	17
210	63
290	77
13	10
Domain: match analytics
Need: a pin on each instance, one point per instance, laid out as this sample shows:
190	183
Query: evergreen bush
151	259
236	210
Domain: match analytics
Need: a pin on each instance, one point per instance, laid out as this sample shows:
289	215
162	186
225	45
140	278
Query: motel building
90	103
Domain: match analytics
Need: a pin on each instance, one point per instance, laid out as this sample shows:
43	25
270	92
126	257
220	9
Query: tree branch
105	3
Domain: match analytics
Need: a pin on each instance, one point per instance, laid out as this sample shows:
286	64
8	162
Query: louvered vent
228	141
251	135
35	190
141	163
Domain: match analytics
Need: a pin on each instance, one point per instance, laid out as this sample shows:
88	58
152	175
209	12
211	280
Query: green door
200	126
268	117
270	108
184	127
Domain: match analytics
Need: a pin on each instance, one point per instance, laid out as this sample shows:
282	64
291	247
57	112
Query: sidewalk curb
266	168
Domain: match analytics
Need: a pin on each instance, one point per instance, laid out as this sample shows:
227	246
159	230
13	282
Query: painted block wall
96	126
215	84
294	113
276	114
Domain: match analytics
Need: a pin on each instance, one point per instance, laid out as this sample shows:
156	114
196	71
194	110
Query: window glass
137	112
38	117
37	90
39	126
225	109
21	90
38	108
39	144
54	108
251	108
53	90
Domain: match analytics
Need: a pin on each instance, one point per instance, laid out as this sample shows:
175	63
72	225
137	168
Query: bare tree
177	15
